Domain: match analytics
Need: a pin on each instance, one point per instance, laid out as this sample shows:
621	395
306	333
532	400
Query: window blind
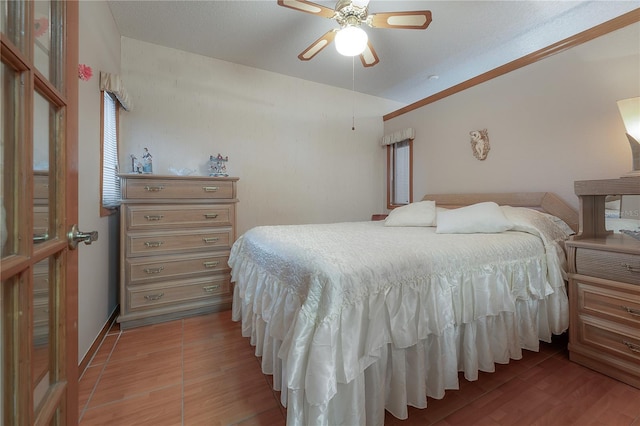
110	179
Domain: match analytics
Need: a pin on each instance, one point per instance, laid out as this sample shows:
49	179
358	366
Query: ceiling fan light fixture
360	3
351	41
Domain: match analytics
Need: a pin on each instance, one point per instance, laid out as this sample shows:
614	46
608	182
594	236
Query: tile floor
200	371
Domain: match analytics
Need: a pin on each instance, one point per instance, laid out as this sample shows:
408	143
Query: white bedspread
322	303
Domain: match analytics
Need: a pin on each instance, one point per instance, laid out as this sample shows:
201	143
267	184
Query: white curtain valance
113	84
399	136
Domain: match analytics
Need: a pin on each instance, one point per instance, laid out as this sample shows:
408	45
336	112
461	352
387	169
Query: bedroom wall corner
550	123
288	140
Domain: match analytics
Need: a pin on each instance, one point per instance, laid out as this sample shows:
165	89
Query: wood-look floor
200	371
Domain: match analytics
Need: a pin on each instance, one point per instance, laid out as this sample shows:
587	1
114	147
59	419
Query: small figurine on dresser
147	164
217	165
136	166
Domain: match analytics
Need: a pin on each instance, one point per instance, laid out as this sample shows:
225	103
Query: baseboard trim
98	340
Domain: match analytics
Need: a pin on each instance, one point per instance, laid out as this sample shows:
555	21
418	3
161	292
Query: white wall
289	140
97	275
550	123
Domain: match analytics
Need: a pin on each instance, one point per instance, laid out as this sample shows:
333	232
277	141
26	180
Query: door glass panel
9	134
42	191
43	275
12	19
42	36
48	36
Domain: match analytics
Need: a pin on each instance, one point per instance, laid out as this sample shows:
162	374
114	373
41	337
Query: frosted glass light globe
351	41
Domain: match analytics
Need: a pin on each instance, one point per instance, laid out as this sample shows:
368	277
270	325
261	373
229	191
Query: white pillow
484	217
422	213
560	223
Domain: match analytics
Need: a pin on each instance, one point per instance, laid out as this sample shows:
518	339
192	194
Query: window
399	173
110	189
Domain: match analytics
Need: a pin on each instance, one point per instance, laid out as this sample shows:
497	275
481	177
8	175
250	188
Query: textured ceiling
465	38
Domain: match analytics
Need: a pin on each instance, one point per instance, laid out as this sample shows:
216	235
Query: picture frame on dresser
604	285
176	233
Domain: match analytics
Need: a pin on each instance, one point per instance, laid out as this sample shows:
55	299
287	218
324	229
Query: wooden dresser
176	233
604	286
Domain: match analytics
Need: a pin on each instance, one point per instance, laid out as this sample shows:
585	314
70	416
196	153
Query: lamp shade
630	112
351	41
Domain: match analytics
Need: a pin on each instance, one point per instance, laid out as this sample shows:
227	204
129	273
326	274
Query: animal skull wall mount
480	143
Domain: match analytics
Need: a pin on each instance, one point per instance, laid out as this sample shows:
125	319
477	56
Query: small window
110	188
400	173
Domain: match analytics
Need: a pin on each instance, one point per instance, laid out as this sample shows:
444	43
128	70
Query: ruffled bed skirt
392	377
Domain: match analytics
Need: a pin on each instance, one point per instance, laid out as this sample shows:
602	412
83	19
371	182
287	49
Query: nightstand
604	287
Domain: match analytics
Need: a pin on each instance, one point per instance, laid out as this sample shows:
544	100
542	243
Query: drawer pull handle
631	311
153	244
211	215
210	240
211	288
154	188
151	271
210	188
211	264
630	268
152	297
151	218
632	347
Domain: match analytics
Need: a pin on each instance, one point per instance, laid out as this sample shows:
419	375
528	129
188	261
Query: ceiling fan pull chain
353	93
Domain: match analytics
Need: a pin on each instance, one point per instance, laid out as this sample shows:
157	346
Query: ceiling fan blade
308	7
414	20
369	57
317	46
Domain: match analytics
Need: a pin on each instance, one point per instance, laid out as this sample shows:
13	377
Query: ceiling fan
350	39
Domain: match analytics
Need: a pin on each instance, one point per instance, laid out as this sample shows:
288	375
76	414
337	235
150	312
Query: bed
353	319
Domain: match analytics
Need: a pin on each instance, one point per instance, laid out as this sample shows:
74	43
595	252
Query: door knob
75	237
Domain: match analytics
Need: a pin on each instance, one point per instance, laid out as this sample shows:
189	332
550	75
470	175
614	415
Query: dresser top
176	177
614	242
620	186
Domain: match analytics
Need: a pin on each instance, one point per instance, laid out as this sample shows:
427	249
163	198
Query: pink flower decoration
40	26
84	72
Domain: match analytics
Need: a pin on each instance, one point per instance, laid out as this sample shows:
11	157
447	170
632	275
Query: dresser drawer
155	189
145	244
615	303
609	265
158	295
610	338
41	188
153	268
41	309
141	217
41	276
40	220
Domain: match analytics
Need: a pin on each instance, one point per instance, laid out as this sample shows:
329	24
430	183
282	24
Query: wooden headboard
544	201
